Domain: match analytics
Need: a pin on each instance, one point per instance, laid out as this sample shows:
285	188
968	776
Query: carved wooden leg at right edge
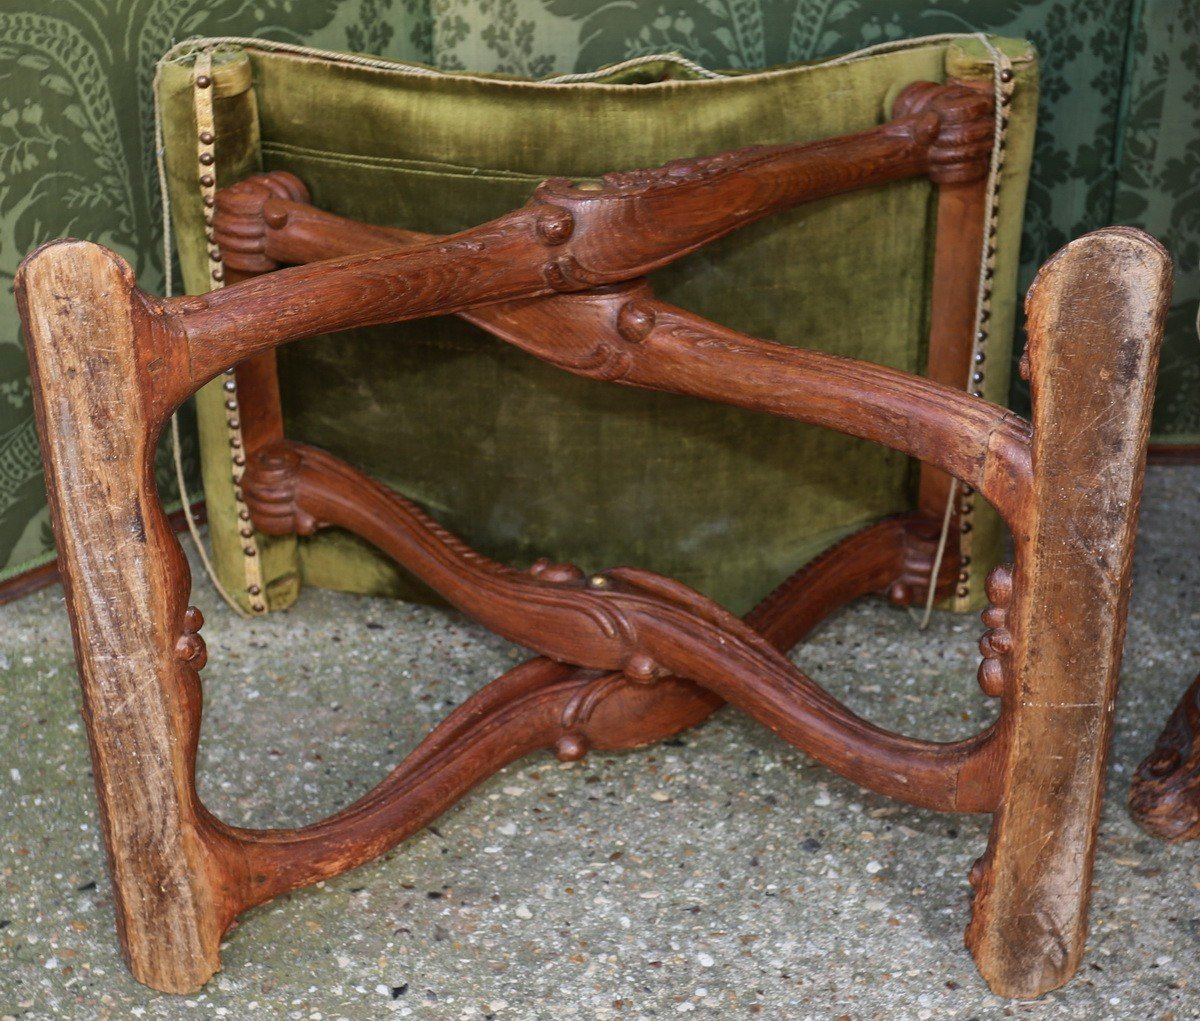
1164	797
1095	320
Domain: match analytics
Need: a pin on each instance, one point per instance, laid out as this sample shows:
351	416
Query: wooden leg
961	220
1165	794
1095	321
126	583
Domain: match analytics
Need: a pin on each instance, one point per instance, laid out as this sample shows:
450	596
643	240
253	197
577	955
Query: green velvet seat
518	458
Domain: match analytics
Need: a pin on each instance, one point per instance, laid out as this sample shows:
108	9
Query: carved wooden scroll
1165	794
625	656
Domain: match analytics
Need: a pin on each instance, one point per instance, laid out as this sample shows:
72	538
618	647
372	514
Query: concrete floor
721	874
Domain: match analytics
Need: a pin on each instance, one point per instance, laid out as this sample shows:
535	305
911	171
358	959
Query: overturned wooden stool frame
626	657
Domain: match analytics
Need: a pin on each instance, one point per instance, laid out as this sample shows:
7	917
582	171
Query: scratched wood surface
126	584
1095	319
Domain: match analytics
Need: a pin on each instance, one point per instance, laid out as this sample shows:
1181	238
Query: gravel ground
720	874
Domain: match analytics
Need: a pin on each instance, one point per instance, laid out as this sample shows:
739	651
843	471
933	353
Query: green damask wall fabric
1158	156
77	158
1119	133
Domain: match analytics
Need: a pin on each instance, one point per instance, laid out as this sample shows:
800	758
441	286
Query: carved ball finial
635	320
555	224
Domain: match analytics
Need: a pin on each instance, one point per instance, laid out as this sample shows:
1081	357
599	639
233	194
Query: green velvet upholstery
519	458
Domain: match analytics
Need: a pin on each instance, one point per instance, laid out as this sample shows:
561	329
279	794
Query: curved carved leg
634	622
543	704
1095	321
869	561
1165	794
126	583
526	710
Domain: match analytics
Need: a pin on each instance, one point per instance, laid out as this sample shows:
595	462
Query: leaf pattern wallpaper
77	158
1118	137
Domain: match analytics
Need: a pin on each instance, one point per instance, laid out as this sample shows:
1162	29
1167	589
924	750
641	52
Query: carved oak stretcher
625	657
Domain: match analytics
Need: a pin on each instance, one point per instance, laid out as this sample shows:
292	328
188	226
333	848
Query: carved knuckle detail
245	210
574	743
997	642
555	224
641	669
189	646
915	99
193	620
994	616
979	870
999	585
961	140
286	185
562	274
269	486
570	748
1024	368
991	677
635	320
547	570
192	650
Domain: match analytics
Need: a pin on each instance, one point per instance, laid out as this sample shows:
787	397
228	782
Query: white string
189	46
1000	63
947	516
634	62
168	287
